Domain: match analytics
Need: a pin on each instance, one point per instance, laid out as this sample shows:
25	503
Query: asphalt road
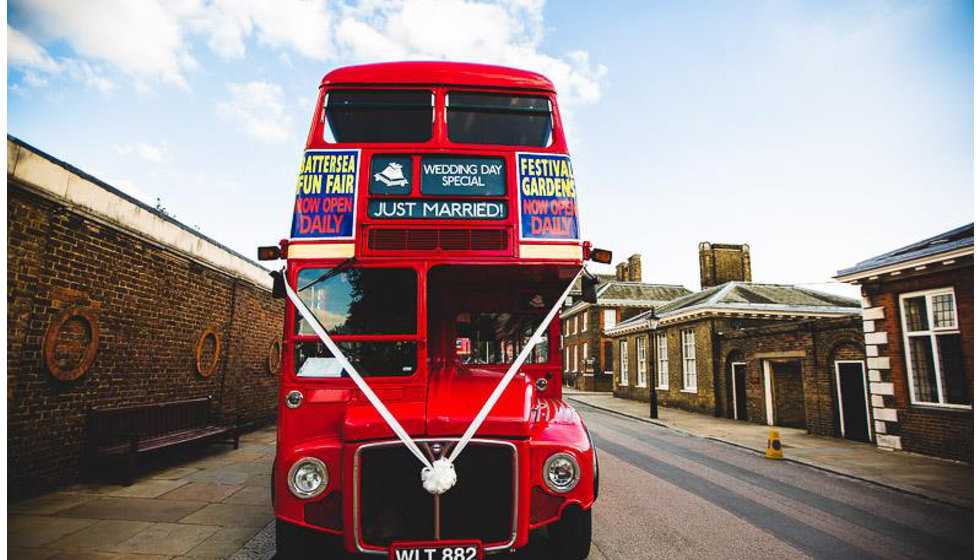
667	495
670	495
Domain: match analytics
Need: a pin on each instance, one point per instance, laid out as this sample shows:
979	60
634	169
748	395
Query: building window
574	358
690	361
934	348
585	321
585	356
575	324
609	318
568	362
641	361
607	351
663	378
624	363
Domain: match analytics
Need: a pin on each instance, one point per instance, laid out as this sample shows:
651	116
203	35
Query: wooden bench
126	432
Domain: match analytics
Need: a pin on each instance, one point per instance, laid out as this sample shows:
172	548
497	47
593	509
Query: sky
820	133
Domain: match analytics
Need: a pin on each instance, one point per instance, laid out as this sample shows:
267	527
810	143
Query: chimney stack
634	270
621	272
722	263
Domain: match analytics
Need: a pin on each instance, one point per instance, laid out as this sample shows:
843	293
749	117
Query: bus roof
438	73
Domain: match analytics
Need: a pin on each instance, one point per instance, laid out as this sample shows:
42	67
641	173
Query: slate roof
750	296
953	239
615	293
640	291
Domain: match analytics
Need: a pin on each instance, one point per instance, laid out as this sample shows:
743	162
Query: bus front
435	232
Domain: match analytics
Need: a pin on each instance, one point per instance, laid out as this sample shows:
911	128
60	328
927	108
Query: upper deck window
394	115
499	119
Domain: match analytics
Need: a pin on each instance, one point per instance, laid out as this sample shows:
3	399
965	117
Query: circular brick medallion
58	368
205	370
275	357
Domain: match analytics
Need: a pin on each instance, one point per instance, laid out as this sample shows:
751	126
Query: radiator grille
393	506
401	239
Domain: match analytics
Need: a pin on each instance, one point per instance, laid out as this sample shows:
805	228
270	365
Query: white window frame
641	361
585	356
663	363
568	361
840	402
585	320
607	324
932	333
624	362
689	361
574	358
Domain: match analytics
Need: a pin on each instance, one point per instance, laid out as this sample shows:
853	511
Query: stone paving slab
222	544
232	515
136	509
203	492
202	504
253	495
149	488
171	539
29	531
99	536
51	503
938	479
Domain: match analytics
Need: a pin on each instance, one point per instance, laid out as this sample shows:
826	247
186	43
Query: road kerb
947	500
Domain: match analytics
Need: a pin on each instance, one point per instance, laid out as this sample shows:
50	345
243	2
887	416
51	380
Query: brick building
803	374
918	324
678	349
587	353
110	302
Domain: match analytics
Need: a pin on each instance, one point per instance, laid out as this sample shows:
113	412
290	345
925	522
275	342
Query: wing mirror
278	285
588	288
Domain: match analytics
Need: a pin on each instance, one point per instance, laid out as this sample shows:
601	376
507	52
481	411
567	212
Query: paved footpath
947	481
209	503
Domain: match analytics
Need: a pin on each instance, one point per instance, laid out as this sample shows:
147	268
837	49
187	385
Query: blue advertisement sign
463	176
326	195
547	197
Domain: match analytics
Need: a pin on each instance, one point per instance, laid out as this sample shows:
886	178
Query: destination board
437	209
463	176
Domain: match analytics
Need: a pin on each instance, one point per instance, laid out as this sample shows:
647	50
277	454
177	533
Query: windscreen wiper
330	273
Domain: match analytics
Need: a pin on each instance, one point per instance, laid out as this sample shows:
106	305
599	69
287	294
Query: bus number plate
442	550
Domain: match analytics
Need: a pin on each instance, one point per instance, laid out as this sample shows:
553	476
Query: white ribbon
440	476
499	390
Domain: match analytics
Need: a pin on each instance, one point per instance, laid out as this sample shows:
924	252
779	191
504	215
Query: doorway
852	400
738	391
784	393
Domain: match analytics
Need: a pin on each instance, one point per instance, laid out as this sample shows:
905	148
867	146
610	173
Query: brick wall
150	304
815	345
900	424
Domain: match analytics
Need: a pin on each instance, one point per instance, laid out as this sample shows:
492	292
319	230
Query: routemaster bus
435	236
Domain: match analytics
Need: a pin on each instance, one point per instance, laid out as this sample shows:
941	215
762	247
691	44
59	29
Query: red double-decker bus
434	237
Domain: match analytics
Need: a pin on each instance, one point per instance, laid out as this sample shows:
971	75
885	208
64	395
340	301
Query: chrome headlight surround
308	466
561	472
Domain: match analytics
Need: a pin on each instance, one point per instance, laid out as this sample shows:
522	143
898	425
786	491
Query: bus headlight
307	478
561	472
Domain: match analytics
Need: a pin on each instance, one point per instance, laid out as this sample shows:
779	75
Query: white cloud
151	41
257	108
152	154
139	37
24	53
508	32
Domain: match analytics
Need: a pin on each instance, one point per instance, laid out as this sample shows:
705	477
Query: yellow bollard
774	449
